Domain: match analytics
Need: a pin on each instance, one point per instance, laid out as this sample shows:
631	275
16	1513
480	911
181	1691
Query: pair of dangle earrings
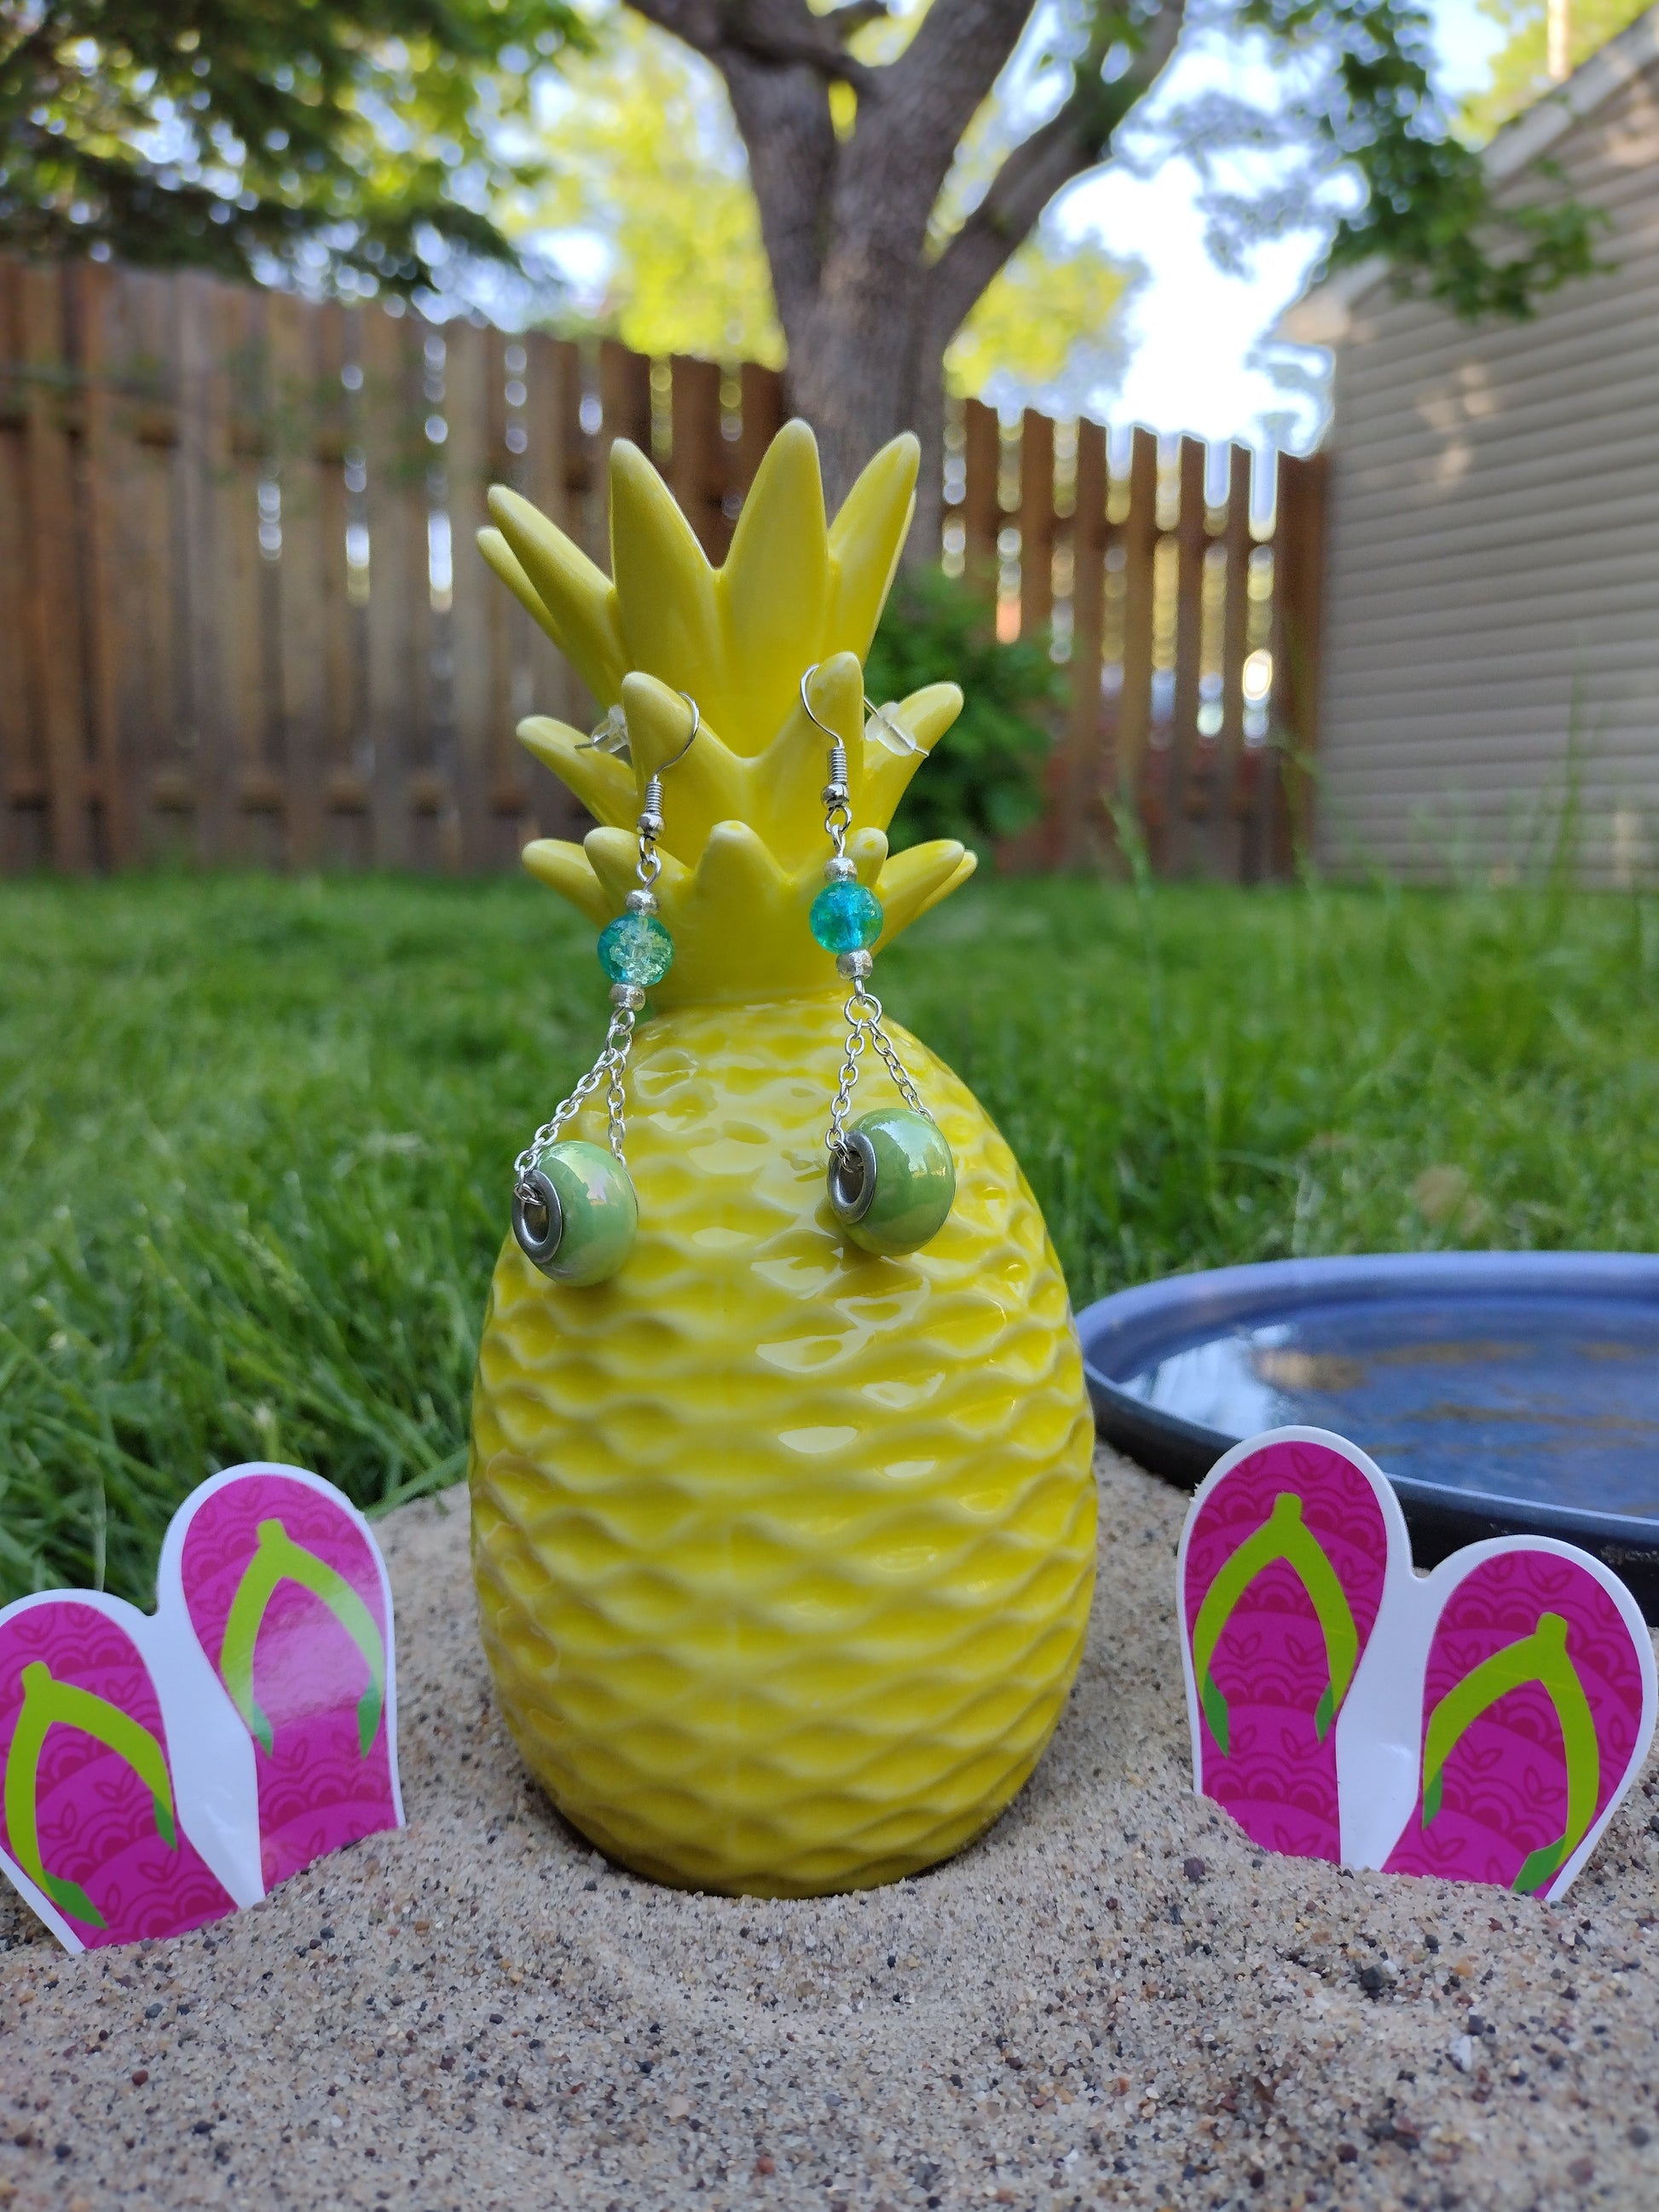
891	1179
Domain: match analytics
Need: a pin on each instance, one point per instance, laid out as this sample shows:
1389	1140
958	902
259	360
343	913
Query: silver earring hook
611	735
907	743
838	773
654	786
650	823
807	704
837	791
696	724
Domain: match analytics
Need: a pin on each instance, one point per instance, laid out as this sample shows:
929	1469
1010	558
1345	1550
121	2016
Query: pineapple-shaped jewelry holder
783	1548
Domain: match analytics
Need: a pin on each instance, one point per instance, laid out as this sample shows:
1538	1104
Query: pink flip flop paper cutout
1533	1709
90	1819
159	1771
1479	1725
1281	1574
286	1591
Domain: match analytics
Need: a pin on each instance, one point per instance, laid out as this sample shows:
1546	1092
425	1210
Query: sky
1193	330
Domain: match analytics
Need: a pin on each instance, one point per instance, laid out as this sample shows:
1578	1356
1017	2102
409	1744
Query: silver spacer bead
649	825
854	966
834	794
641	902
839	870
628	996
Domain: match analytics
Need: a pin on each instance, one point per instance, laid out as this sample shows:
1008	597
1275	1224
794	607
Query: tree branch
783	34
927	97
904	141
696	23
777	33
844	21
1072	142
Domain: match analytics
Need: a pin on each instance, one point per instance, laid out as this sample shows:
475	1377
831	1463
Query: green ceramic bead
896	1197
599	1215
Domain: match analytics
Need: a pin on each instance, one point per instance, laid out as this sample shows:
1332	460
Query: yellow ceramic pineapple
783	1551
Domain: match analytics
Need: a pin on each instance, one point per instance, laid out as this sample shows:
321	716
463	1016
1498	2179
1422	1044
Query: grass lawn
257	1134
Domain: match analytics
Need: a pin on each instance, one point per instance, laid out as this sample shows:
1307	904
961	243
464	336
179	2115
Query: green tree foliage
353	142
1428	207
984	781
644	159
1045	317
1520	72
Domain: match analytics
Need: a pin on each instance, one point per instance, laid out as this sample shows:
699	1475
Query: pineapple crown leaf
604	784
738	919
558	588
742	844
793	591
567	869
777	793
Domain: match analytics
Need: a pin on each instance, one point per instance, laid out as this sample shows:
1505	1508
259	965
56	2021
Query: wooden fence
242	619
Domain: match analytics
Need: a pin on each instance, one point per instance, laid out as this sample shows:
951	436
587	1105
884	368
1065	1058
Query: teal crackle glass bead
635	948
846	918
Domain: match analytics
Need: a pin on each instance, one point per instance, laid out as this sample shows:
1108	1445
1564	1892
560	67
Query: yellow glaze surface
783	1551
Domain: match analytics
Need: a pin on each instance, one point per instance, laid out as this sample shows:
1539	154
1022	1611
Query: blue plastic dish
1502	1393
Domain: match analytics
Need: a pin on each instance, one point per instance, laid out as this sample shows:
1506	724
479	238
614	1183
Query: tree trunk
861	371
849	380
867	310
866	344
860	378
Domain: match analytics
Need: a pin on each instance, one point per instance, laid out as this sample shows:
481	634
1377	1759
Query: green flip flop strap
48	1702
1284	1535
1541	1657
277	1558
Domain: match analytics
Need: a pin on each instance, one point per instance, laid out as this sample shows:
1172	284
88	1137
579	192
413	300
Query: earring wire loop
876	714
696	725
598	744
807	704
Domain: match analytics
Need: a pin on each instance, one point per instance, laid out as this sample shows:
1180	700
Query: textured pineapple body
783	1551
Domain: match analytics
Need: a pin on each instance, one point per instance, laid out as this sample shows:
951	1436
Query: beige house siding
1492	593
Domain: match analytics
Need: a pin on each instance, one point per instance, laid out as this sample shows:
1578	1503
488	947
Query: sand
1110	1999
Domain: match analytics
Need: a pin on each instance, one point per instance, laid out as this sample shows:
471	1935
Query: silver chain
849	1072
863	1013
612	1060
618	1038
